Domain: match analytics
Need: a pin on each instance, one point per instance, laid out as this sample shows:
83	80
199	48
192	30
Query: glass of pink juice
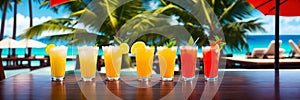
211	62
188	58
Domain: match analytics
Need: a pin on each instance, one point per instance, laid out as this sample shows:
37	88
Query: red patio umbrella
57	2
277	7
287	7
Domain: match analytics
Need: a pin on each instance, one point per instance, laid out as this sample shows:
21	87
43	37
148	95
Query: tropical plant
230	14
114	21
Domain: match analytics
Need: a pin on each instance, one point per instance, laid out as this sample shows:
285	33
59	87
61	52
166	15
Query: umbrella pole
276	64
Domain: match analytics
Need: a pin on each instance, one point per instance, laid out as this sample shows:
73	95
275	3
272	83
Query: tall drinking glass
166	57
211	62
188	56
88	61
112	61
144	62
58	57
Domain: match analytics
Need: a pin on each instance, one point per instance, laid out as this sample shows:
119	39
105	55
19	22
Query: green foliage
171	43
229	14
8	3
191	41
218	42
119	41
59	24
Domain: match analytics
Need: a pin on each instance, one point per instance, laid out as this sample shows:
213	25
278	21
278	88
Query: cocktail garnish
136	45
171	43
124	48
48	47
217	43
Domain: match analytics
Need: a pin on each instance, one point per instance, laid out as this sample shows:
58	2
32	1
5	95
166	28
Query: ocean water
254	41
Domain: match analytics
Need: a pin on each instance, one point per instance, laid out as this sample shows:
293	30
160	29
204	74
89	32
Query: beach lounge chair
267	52
295	48
257	53
270	52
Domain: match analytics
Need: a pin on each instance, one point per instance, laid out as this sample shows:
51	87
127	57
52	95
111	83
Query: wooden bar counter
236	85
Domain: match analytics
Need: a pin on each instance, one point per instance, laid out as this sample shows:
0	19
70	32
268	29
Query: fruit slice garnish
215	47
48	47
137	45
124	48
217	44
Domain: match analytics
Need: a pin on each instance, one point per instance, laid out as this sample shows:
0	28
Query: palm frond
62	21
77	37
18	1
5	2
117	13
58	24
190	22
237	30
236	11
78	13
39	29
64	37
141	23
103	40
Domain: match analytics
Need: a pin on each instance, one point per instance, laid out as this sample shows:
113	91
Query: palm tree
16	2
229	14
114	20
113	23
4	5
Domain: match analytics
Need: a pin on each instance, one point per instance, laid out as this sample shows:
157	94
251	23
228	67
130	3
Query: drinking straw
196	41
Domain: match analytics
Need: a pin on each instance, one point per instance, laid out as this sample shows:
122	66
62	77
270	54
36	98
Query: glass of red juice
211	62
188	58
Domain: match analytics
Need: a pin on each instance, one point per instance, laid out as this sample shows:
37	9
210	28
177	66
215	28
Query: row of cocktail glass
144	62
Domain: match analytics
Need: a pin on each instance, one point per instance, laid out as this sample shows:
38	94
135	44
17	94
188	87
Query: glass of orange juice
88	61
58	56
113	60
166	57
144	60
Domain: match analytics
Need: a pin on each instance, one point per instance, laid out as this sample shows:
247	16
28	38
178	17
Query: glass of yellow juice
58	57
112	61
88	60
166	58
144	62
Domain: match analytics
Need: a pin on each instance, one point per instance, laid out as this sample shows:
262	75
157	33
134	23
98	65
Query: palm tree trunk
30	13
15	26
30	25
2	75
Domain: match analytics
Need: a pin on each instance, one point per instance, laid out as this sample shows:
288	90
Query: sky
40	15
288	25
